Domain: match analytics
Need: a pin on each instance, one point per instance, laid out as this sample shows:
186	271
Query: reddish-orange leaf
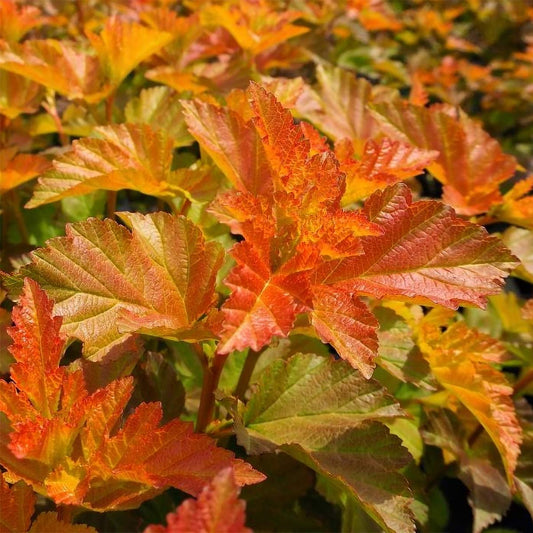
111	467
217	510
108	282
471	164
384	162
16	169
17	505
426	253
233	144
344	321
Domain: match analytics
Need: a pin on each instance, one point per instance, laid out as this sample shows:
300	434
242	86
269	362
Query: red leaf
217	510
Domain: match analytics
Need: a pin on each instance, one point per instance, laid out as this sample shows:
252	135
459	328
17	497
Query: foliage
276	256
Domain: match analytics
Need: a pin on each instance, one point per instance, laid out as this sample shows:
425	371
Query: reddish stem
210	382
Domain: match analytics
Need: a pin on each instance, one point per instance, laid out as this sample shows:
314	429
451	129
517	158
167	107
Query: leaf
288	221
218	509
235	147
520	242
50	521
382	163
344	321
459	359
126	156
108	283
18	95
159	107
489	496
517	205
426	253
311	400
16	169
17	20
339	107
364	462
17	505
255	26
69	444
398	353
471	165
122	45
58	65
324	414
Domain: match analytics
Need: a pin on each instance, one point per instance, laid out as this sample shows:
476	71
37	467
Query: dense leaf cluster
273	255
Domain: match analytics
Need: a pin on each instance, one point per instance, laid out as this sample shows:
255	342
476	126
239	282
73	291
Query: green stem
246	373
209	384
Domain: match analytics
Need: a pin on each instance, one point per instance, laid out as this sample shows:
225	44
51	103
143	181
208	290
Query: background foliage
274	255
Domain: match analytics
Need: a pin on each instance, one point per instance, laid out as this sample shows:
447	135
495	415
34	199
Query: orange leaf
18	95
110	467
383	163
464	371
426	253
127	156
20	168
58	65
17	20
217	510
517	206
344	321
109	283
122	45
17	505
471	165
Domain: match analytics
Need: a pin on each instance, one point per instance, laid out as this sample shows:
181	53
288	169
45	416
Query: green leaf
311	400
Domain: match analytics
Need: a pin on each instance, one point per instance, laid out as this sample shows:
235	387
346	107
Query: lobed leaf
17	505
426	254
108	282
471	165
126	156
218	509
71	446
16	169
311	400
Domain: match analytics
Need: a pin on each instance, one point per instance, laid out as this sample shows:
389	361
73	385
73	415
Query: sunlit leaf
108	283
471	164
16	169
112	465
426	253
18	94
459	359
17	505
126	156
122	45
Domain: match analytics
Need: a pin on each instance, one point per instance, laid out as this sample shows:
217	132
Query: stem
111	206
246	373
67	513
13	201
109	107
475	435
207	399
523	382
52	111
